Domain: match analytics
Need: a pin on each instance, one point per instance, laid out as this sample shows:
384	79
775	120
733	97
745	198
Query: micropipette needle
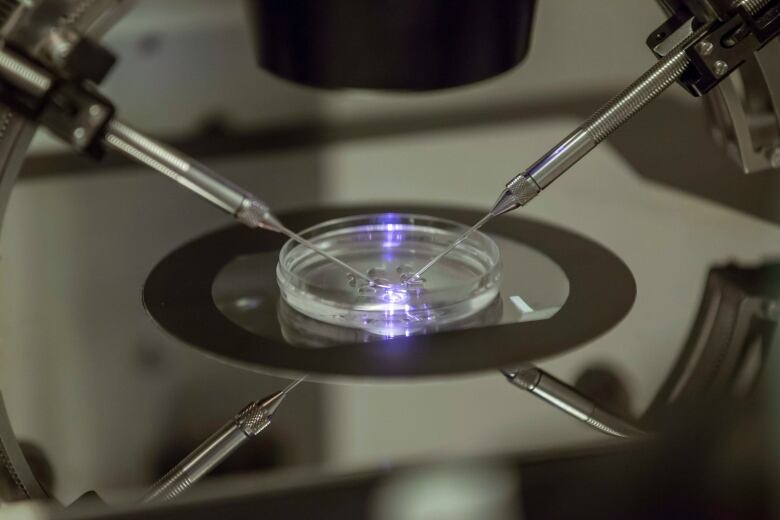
452	246
293	384
200	179
295	236
248	423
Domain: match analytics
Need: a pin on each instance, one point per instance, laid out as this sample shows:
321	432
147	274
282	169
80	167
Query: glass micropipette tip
293	384
452	246
330	257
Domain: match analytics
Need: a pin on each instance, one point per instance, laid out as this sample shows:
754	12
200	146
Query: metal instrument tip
271	403
505	203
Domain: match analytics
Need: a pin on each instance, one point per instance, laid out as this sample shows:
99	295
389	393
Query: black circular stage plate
179	295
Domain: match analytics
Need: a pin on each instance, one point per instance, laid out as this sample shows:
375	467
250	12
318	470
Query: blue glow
388	218
401	317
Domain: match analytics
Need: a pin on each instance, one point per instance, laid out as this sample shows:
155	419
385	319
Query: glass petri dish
301	331
386	247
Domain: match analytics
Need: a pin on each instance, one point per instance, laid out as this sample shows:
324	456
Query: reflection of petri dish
385	247
302	331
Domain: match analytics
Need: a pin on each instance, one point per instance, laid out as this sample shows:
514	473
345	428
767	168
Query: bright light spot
246	304
393	295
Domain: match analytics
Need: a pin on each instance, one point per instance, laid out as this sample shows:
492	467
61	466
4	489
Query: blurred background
113	401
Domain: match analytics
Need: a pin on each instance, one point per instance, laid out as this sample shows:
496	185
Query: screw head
79	134
720	67
704	47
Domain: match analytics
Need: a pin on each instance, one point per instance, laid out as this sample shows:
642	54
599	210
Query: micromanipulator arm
700	55
60	95
69	106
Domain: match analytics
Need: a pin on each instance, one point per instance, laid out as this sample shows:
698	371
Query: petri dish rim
306	233
452	301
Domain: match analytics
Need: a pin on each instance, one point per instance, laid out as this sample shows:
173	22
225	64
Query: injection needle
452	246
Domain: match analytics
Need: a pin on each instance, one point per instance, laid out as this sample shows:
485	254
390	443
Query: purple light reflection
400	317
394	235
395	294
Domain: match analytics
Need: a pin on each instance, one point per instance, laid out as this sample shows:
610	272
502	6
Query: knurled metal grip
252	419
753	6
523	189
253	213
173	484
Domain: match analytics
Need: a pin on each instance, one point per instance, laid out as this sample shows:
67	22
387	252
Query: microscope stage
559	290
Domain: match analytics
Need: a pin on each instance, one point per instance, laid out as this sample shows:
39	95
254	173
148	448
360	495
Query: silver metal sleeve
572	402
562	157
186	171
569	400
198	463
562	396
606	120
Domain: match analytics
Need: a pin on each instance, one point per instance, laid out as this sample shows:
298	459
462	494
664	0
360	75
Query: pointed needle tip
293	384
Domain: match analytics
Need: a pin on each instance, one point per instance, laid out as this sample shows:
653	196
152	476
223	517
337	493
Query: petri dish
387	247
302	331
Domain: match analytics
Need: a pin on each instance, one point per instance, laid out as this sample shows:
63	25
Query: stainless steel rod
524	187
249	422
188	172
570	401
201	180
205	457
